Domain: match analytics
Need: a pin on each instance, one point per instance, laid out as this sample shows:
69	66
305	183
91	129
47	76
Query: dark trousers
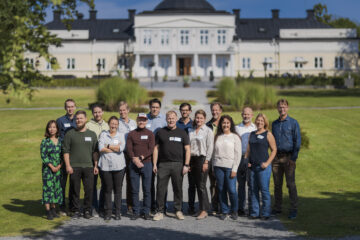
87	177
199	177
191	191
98	204
243	177
213	190
167	170
280	166
113	180
145	173
154	205
129	201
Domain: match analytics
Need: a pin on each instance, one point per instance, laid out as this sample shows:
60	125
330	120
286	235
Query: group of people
156	148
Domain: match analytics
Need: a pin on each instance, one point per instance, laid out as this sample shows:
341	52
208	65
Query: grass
327	173
180	101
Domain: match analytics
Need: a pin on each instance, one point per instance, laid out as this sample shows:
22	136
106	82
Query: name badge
260	137
66	125
148	125
87	139
175	139
116	142
144	137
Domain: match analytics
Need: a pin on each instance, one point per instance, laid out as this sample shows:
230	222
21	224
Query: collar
150	117
286	119
180	120
95	122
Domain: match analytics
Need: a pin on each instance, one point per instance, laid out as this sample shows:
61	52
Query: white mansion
190	37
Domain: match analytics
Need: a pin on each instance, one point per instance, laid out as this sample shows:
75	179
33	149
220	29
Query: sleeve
129	145
101	141
157	138
67	143
122	142
151	145
43	154
296	140
95	144
237	153
209	145
186	138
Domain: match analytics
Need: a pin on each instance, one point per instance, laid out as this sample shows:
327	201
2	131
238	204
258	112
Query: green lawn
327	173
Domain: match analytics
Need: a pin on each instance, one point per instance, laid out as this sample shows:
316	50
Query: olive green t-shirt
80	146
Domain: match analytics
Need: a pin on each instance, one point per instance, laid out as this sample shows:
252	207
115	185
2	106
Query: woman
112	165
201	145
50	151
227	157
260	163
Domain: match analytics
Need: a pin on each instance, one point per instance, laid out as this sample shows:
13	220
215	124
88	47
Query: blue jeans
145	173
226	185
259	182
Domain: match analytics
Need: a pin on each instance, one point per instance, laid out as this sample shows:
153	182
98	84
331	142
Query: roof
99	29
262	29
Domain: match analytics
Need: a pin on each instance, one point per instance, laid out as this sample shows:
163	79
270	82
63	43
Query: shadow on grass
321	93
332	215
28	207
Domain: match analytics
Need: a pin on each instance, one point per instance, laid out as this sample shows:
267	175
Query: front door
183	66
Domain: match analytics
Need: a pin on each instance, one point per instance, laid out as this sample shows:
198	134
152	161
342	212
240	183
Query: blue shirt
65	124
156	123
183	126
287	136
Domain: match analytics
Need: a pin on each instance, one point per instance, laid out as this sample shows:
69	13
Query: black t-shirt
171	144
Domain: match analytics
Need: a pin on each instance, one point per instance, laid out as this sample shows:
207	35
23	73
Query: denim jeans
259	182
226	185
145	173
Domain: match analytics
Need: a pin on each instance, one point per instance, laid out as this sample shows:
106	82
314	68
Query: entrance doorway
183	66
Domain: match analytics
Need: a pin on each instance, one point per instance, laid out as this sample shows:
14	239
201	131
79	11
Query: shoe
158	216
275	212
202	215
224	216
180	215
87	215
234	216
241	213
253	217
153	212
292	214
95	213
191	212
134	217
53	212
49	215
265	218
62	213
117	216
75	215
107	218
129	211
147	216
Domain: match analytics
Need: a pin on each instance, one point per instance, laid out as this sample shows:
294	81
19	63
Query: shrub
114	90
225	89
212	93
156	94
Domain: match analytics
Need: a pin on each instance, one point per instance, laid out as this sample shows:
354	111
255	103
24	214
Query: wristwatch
187	165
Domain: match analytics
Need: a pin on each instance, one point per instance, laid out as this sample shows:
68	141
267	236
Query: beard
80	127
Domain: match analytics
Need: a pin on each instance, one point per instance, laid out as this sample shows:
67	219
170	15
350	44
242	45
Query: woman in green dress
50	150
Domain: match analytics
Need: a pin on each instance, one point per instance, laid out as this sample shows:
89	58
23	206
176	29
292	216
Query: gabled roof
99	29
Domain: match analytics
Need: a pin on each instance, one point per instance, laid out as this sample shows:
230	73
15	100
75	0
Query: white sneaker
158	216
180	215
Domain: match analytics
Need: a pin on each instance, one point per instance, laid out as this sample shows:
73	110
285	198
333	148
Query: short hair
266	121
96	106
47	133
122	103
171	112
184	105
282	101
216	103
80	112
201	112
112	118
69	100
246	108
154	100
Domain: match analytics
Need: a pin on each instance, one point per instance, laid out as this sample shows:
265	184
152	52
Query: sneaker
134	216
107	218
54	214
265	218
292	214
234	216
49	215
117	216
153	212
224	216
180	215
202	215
253	217
129	211
241	213
87	215
158	216
147	216
275	212
95	213
76	215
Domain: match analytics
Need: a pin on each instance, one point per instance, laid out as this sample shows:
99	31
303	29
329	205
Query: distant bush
156	94
212	93
68	82
114	90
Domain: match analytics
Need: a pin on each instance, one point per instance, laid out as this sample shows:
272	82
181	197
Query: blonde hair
266	121
171	112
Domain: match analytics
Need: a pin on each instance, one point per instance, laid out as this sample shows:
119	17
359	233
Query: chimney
92	14
236	12
57	14
310	14
131	15
275	13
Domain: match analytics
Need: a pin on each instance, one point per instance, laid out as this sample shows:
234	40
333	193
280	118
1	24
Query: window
269	61
246	63
339	62
298	65
318	62
29	61
204	37
102	61
147	37
70	63
184	37
52	62
221	39
165	37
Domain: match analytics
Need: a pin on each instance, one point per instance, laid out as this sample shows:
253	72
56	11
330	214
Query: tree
22	30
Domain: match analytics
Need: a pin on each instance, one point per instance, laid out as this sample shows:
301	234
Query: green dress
51	153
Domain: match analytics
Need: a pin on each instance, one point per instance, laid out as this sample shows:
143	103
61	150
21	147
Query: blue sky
249	8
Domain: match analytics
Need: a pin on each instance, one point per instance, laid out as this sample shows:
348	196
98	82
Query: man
216	110
139	147
81	158
97	125
185	123
286	131
156	121
66	123
172	147
125	126
243	175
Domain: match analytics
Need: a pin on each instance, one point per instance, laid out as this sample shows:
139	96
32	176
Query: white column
232	59
156	61
173	65
213	62
136	65
196	64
